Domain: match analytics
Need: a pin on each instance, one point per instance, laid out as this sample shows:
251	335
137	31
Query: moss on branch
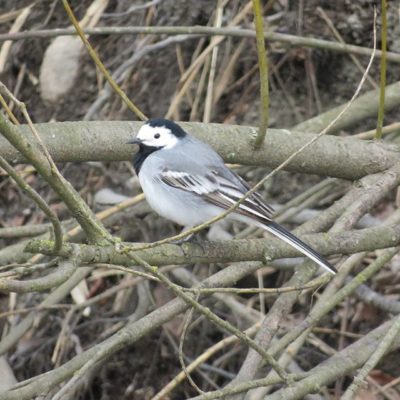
231	251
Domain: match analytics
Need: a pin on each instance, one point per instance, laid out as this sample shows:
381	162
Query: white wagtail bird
186	181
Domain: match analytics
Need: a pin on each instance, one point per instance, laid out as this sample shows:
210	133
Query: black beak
134	141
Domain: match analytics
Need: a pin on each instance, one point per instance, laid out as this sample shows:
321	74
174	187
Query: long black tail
289	238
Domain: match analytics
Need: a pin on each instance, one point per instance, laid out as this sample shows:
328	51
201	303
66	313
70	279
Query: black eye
156	136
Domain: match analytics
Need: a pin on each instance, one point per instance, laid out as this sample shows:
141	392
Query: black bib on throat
141	155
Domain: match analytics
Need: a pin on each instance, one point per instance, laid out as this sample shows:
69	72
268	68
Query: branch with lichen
230	251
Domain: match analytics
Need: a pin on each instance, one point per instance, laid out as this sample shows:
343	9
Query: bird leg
186	238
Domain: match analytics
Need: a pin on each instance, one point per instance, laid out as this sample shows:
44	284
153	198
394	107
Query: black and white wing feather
220	190
224	188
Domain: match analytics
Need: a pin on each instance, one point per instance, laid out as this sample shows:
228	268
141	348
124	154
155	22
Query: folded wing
220	190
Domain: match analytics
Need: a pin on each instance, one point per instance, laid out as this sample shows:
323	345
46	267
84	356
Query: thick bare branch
231	251
366	106
347	158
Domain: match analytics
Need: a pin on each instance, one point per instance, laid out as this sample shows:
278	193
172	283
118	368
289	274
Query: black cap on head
172	126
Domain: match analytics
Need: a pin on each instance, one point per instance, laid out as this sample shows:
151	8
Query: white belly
175	204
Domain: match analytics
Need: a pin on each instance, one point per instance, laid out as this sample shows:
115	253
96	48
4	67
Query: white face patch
157	136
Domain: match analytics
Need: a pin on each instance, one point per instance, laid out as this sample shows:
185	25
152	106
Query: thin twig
95	232
199	90
202	359
36	309
108	212
272	291
122	71
395	127
131	9
245	387
211	77
30	192
380	351
263	67
190	300
338	36
22	106
291	40
41	203
381	110
188	318
8	111
100	65
214	42
318	312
